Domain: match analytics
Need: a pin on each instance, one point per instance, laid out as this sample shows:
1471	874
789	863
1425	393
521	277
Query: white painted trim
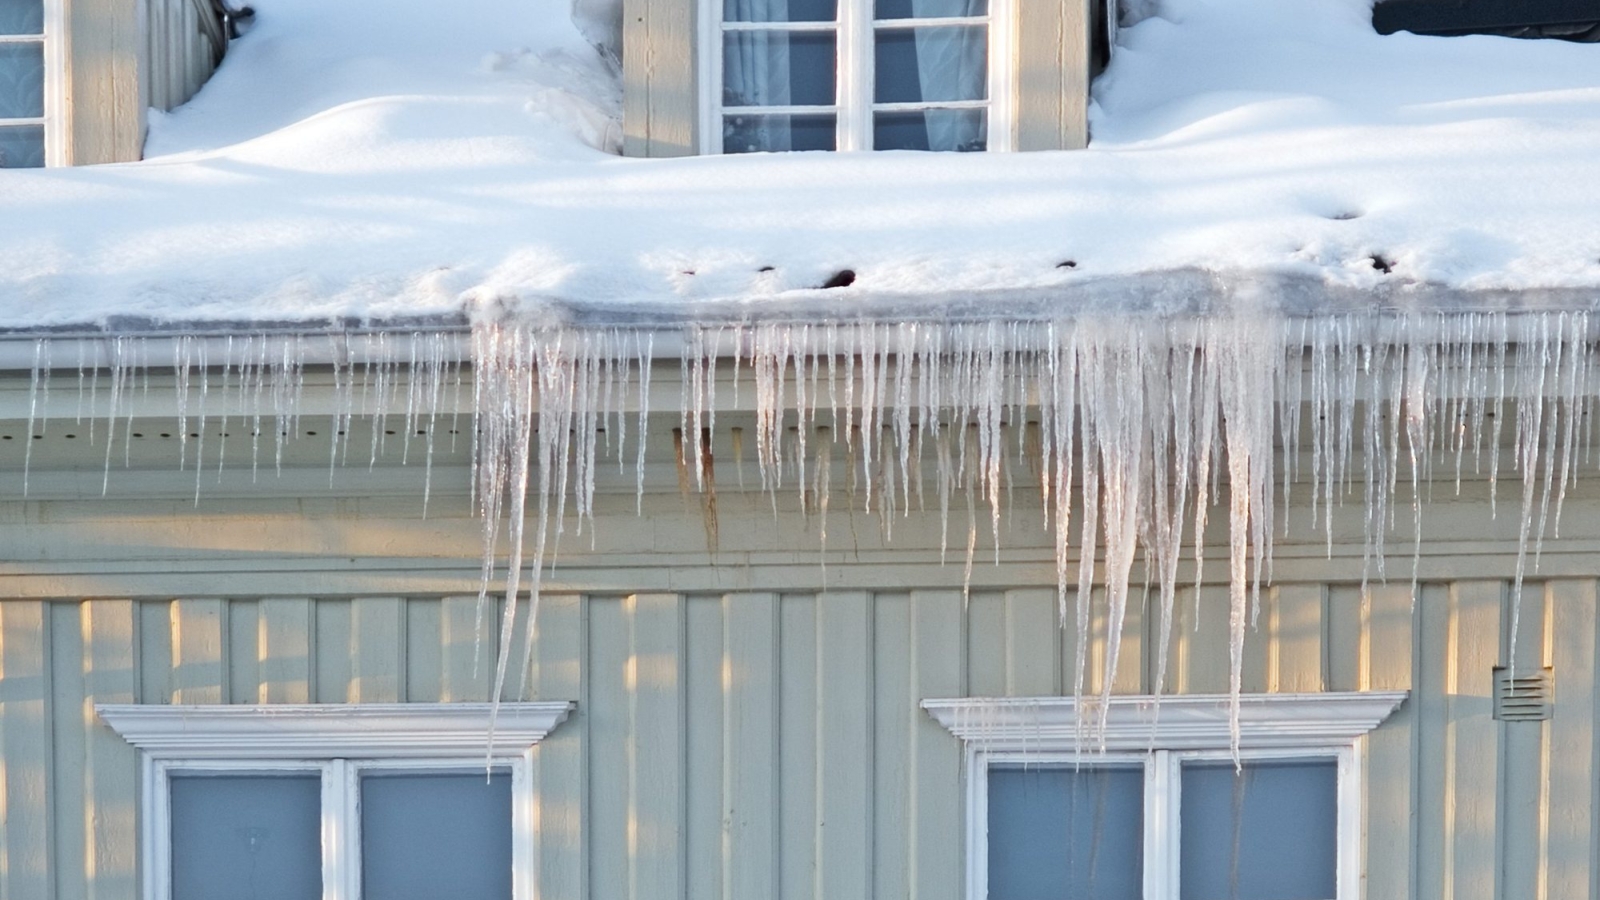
854	77
1186	722
1050	731
57	86
334	730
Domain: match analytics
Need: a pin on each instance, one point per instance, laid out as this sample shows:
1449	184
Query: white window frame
1160	737
338	742
54	120
854	103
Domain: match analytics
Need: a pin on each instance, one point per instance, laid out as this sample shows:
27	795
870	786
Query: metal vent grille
1529	697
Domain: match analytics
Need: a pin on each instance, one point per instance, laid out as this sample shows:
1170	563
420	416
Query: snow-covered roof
423	160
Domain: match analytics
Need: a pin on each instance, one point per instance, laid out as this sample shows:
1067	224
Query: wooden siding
747	721
660	100
1053	72
102	101
746	744
180	50
123	57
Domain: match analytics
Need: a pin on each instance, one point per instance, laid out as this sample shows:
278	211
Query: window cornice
1176	722
367	730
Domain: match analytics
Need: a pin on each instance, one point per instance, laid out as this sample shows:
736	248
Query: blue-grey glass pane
778	68
931	64
436	837
930	129
777	10
21	147
930	9
1267	834
22	80
246	836
750	134
21	16
1066	834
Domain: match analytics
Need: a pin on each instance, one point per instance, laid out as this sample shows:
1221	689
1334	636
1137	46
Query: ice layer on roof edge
1136	429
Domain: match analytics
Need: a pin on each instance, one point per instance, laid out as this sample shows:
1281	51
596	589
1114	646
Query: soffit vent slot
1529	697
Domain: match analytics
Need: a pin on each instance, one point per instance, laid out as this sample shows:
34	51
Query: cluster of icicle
1138	427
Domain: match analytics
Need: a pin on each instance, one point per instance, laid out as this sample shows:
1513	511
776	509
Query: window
386	801
856	75
22	83
1163	813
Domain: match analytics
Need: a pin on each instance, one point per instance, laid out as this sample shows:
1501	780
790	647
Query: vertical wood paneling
69	739
762	746
659	77
1573	792
110	766
1473	643
656	749
25	869
1031	643
891	742
199	637
800	721
243	651
936	826
703	747
377	631
610	677
285	639
561	771
844	771
751	705
1519	809
986	644
334	676
155	651
1292	637
1199	662
1052	74
1386	660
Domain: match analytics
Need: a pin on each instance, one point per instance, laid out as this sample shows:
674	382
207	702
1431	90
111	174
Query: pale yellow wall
751	714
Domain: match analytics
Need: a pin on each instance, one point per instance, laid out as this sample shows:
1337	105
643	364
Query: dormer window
22	94
856	75
736	76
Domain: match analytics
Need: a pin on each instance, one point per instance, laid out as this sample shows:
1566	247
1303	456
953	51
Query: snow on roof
420	160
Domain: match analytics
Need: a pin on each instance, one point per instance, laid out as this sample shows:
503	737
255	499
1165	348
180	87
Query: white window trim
338	741
854	28
54	120
1160	737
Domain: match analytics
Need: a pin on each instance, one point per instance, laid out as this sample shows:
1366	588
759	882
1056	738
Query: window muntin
345	811
22	83
890	74
1279	832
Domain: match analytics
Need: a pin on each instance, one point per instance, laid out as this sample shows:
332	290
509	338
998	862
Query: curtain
755	71
952	64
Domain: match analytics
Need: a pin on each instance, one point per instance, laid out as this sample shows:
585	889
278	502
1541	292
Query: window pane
930	9
932	64
21	16
1267	834
749	134
255	836
930	129
436	837
21	80
1065	834
775	10
778	68
21	147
